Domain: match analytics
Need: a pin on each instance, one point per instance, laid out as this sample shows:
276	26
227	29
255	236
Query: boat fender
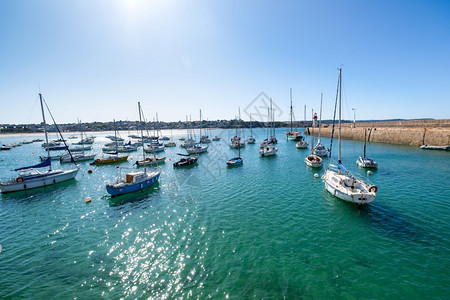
19	179
374	188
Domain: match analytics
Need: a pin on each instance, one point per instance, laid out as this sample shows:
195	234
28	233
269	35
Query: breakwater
414	133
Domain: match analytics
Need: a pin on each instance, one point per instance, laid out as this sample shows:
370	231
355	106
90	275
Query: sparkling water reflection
267	229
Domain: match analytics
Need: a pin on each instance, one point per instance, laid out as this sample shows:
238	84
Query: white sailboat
171	143
293	135
303	144
236	161
30	177
81	148
313	160
198	148
267	147
320	149
251	139
338	180
189	141
112	156
364	161
134	181
236	141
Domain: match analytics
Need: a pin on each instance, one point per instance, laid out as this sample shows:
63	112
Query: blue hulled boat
134	181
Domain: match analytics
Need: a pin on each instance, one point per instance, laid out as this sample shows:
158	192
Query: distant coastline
403	132
220	124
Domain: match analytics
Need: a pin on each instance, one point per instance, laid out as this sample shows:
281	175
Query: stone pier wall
414	133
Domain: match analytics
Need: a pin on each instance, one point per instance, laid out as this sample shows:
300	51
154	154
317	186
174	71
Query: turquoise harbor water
267	229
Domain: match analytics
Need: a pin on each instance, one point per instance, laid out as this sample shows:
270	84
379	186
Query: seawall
414	133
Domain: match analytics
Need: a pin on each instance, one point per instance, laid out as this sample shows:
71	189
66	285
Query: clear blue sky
95	59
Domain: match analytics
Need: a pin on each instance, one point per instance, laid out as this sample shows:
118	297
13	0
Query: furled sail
43	164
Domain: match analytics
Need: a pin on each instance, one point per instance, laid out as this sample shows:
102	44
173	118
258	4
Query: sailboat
78	156
237	160
292	135
187	160
198	147
251	139
303	144
237	140
189	141
134	181
364	161
313	160
30	177
112	155
267	147
204	139
320	149
338	180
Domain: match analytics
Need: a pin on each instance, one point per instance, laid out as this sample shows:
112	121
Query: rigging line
60	134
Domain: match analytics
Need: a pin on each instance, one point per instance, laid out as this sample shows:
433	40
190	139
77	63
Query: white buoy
369	172
88	199
316	175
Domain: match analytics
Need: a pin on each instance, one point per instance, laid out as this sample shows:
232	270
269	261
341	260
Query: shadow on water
386	220
133	198
392	223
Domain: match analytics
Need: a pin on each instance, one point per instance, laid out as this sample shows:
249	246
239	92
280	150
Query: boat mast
312	131
142	135
340	95
81	134
365	136
187	127
239	138
45	129
272	128
200	125
115	136
320	117
291	107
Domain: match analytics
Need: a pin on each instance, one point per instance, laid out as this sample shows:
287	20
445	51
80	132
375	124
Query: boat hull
67	159
339	186
197	149
184	162
294	137
237	161
427	147
121	189
302	145
268	151
151	161
99	161
52	177
313	161
366	163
